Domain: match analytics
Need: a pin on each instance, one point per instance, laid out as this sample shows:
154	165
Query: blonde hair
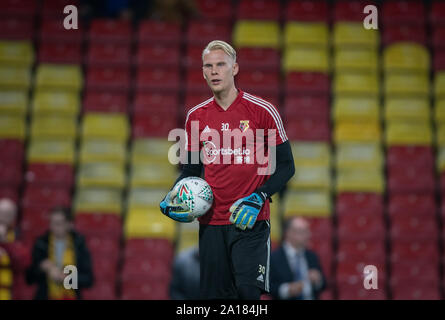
222	45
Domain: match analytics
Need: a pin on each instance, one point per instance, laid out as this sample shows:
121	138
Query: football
196	193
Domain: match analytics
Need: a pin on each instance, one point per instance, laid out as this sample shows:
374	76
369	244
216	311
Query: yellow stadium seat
360	180
148	223
406	57
439	85
356	83
441	158
64	103
356	60
311	177
59	76
356	108
144	198
13	102
12	127
101	174
103	200
52	151
53	127
352	34
408	133
441	134
439	110
275	206
105	125
101	150
153	175
275	229
407	85
306	33
306	59
188	236
307	153
14	78
250	33
150	149
359	155
407	109
307	203
358	131
17	53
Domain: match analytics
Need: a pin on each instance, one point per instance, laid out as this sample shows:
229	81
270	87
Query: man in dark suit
295	271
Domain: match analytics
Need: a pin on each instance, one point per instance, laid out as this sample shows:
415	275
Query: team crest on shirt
244	125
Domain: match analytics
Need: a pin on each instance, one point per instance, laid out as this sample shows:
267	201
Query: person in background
296	273
185	281
14	255
57	248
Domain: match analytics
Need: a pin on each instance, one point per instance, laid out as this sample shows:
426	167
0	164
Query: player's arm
246	210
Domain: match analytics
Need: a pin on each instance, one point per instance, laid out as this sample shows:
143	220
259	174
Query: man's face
58	225
219	70
298	234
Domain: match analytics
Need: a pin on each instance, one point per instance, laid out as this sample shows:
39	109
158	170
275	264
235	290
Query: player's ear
235	69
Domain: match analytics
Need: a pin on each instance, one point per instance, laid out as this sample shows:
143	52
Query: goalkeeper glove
245	210
176	211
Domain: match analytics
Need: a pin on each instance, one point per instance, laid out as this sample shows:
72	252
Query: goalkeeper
234	235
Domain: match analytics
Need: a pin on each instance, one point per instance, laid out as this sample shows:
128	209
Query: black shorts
231	257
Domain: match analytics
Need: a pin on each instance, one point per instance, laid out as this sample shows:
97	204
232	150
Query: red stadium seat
259	10
108	55
12	150
105	102
103	248
47	197
195	82
413	156
438	37
214	10
158	79
307	106
50	174
23	9
361	227
16	29
421	205
307	129
307	83
34	223
110	31
159	248
411	179
359	203
154	125
266	59
112	79
146	267
193	99
259	83
371	251
437	13
327	294
404	33
52	30
410	291
200	33
323	248
156	32
97	224
321	228
54	8
158	55
193	58
419	250
105	267
152	103
9	192
439	60
140	289
100	291
354	290
414	273
345	10
23	291
398	12
64	52
352	272
413	227
307	10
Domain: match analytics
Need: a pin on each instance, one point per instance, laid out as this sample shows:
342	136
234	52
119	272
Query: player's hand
245	210
176	211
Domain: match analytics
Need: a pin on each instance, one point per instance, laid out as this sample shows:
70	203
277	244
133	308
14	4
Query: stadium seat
414	156
411	179
406	85
16	53
258	59
152	175
53	8
200	33
195	83
55	103
50	174
15	78
12	127
59	77
149	149
360	180
258	10
108	79
99	224
307	10
410	109
105	102
108	55
101	174
148	223
10	174
359	155
60	53
356	108
313	83
193	99
403	12
146	268
12	150
414	251
305	59
437	13
265	34
156	32
356	59
439	84
51	151
100	291
215	10
24	9
16	29
439	60
362	227
53	31
102	150
113	126
49	126
441	159
406	57
310	177
110	31
98	200
306	34
158	55
311	153
412	227
355	83
350	277
14	103
261	83
142	198
152	102
354	290
352	34
359	203
415	273
345	10
410	291
158	80
307	129
404	33
48	197
441	134
355	249
321	228
357	131
135	289
411	204
155	125
408	133
439	111
160	248
306	106
307	203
